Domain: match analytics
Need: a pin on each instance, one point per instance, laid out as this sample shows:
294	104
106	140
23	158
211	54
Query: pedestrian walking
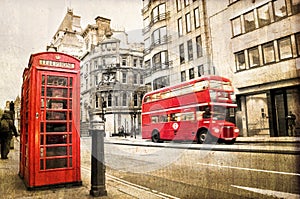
291	119
7	127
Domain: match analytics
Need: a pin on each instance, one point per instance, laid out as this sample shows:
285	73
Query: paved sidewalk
12	186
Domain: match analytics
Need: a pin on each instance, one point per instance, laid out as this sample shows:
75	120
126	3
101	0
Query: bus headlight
236	130
217	130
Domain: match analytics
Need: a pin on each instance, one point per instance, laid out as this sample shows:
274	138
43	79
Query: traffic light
12	106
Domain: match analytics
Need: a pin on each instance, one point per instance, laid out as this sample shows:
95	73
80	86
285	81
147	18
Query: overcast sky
27	27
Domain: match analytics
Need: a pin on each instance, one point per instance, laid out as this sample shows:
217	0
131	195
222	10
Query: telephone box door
57	158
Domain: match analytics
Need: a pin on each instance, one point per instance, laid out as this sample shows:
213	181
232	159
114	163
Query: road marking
136	186
277	194
249	169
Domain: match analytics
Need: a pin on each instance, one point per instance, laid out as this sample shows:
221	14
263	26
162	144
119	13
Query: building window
161	82
141	79
190	50
159	36
96	80
181	53
178	2
135	78
295	6
159	13
188	22
196	17
249	21
279	9
124	77
124	62
180	29
134	62
263	15
124	99
199	46
298	43
200	70
160	61
147	64
95	64
191	73
183	76
268	53
186	2
109	100
116	101
285	48
236	26
253	54
97	101
135	100
141	63
240	61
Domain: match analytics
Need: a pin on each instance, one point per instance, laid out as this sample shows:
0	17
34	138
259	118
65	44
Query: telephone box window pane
43	91
70	139
71	93
70	127
71	162
41	164
56	127
71	81
70	104
57	81
57	104
43	79
70	152
56	163
57	92
42	127
54	115
42	140
56	151
56	139
70	115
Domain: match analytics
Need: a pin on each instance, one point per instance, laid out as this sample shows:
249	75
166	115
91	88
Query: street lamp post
98	167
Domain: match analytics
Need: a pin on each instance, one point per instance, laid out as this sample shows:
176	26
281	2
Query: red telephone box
50	131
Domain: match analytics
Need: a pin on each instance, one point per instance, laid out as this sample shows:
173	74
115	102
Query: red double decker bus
201	110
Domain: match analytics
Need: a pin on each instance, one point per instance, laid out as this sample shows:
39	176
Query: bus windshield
219	113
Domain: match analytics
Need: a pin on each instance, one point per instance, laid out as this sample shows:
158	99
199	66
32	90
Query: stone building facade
67	38
259	45
176	42
111	71
254	43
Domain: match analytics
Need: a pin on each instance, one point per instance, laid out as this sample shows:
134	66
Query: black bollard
98	167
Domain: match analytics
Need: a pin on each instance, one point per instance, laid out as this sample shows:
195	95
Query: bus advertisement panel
201	110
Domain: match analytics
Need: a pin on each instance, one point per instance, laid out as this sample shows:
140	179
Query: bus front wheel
155	137
202	136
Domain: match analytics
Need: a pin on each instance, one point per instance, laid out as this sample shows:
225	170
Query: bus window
154	119
165	95
188	116
175	117
147	99
163	118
